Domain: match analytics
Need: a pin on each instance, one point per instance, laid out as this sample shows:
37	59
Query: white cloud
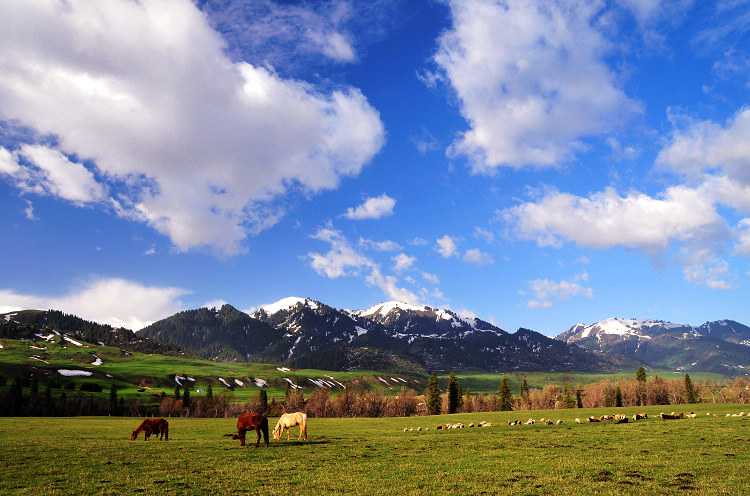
481	233
372	208
433	278
341	260
707	146
194	144
531	80
447	247
402	262
606	219
45	171
546	291
117	302
389	285
386	245
477	257
29	211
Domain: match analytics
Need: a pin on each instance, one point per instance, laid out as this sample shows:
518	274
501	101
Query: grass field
84	455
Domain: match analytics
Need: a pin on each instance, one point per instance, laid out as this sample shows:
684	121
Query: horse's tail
303	426
166	430
264	429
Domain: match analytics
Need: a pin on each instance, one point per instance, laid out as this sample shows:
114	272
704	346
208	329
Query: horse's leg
241	433
257	442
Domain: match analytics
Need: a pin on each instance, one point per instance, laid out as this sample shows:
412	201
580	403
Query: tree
209	393
186	397
433	395
640	374
689	390
567	396
454	393
176	393
506	397
579	399
618	396
263	400
113	400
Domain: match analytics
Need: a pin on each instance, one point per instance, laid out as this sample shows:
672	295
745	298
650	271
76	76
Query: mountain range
394	336
305	333
722	346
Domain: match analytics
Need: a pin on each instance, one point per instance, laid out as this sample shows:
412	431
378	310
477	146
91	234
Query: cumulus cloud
343	259
531	80
402	262
299	34
607	219
546	291
117	302
45	171
372	208
447	247
477	257
707	146
141	97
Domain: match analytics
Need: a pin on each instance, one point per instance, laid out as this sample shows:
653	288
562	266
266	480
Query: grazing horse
289	420
249	422
151	426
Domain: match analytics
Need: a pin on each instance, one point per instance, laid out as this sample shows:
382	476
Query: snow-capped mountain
722	346
310	334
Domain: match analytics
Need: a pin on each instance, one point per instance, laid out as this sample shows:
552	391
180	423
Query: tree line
323	402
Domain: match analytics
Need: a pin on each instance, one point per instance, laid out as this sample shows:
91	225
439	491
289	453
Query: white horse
289	420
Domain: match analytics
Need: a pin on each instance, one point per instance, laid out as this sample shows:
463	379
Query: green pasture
93	455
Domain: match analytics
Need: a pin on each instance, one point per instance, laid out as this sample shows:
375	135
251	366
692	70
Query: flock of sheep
618	419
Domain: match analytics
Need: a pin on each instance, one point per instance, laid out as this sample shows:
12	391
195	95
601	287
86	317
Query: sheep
592	419
531	421
578	421
548	422
558	422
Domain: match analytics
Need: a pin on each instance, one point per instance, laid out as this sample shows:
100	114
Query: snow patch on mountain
287	303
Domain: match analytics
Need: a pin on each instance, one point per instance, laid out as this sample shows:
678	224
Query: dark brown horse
249	422
152	426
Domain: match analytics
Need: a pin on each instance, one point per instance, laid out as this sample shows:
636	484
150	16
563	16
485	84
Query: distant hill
394	336
722	347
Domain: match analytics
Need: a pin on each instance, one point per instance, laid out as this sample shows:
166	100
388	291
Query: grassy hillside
92	455
145	376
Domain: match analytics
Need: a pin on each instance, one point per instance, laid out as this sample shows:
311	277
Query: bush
91	387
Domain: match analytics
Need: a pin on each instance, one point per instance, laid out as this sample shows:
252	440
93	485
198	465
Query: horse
249	422
289	420
151	426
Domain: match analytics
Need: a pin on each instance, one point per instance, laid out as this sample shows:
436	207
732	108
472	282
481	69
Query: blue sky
533	163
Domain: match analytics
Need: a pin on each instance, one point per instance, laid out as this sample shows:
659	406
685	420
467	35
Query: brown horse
151	426
249	422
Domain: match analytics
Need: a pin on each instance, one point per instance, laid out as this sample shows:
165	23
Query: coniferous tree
567	396
618	396
263	400
524	391
209	393
113	400
454	393
640	374
689	390
579	399
177	393
506	397
433	395
186	397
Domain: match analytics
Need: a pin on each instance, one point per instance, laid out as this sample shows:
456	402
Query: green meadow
93	455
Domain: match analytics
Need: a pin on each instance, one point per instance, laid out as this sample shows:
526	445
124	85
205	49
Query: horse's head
133	435
277	432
